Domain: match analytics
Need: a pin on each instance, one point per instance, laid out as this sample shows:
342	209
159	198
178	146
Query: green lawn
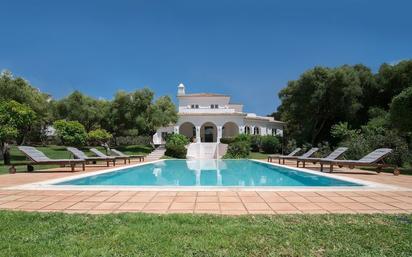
60	152
56	234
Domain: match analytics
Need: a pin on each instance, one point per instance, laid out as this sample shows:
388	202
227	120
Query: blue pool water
241	173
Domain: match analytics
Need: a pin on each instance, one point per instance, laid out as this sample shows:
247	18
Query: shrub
238	149
255	143
99	137
70	133
400	110
176	146
270	144
227	140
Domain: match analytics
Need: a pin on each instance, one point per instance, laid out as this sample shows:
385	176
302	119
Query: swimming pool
210	173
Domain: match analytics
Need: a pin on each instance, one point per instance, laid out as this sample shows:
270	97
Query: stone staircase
156	154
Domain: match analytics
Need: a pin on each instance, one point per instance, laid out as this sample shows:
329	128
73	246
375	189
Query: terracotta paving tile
35	205
282	207
232	207
261	212
182	206
88	193
83	206
75	198
32	198
356	206
382	206
107	206
287	193
96	199
252	199
307	206
296	199
207	206
12	205
332	206
363	199
140	199
118	199
405	199
229	199
68	192
132	206
166	193
180	211
343	211
11	197
59	205
186	193
401	205
206	193
53	198
106	193
274	199
156	206
227	193
207	199
309	194
233	212
257	206
385	199
397	211
318	199
146	194
162	199
348	194
341	199
185	199
126	193
247	193
200	211
327	193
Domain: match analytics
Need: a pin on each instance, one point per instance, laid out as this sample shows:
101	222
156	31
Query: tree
401	111
70	133
15	120
99	137
84	109
20	90
320	98
176	146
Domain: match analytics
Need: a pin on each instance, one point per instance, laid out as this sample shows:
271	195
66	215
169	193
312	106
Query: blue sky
248	49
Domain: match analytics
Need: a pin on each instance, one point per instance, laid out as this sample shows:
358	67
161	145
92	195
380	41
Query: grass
60	152
258	155
57	234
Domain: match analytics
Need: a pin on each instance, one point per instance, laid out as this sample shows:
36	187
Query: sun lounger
305	155
100	154
36	158
273	156
332	156
118	153
81	155
374	159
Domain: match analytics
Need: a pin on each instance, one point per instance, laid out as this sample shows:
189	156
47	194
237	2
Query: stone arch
256	131
230	129
247	130
188	129
208	132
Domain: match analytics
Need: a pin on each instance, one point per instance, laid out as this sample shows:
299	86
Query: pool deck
230	202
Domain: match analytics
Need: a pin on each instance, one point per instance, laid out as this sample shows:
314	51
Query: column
241	129
252	130
198	140
176	129
219	133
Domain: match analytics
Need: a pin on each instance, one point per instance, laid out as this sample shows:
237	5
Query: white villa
206	118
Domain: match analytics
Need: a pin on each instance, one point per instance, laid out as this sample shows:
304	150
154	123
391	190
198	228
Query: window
256	131
247	130
214	106
194	106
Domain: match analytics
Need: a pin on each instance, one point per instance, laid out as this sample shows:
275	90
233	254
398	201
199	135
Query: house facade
205	117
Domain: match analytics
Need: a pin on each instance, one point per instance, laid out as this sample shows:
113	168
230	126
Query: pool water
239	173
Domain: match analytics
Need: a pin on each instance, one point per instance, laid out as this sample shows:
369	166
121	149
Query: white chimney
181	89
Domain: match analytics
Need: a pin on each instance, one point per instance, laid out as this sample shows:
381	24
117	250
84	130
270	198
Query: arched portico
256	131
208	132
230	129
188	129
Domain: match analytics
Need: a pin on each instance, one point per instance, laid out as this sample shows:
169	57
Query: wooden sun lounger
274	156
332	156
100	154
38	158
374	159
81	155
118	153
287	157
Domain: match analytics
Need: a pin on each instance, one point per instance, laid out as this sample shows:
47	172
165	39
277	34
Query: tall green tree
401	111
15	120
78	107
